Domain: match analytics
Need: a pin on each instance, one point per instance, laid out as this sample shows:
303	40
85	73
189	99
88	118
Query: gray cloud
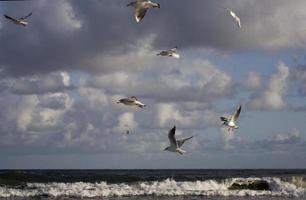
271	98
43	111
73	32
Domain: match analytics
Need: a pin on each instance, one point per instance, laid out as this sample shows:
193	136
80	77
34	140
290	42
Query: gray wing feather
173	50
224	119
23	18
171	136
140	13
10	18
182	141
237	113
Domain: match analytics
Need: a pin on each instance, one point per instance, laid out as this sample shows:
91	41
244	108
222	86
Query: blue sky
62	75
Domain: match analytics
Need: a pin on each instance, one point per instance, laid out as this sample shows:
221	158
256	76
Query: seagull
231	122
234	16
171	53
175	145
132	101
21	21
141	7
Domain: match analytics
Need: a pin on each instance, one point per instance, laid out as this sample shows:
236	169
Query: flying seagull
175	145
141	7
21	21
231	122
132	101
171	53
234	16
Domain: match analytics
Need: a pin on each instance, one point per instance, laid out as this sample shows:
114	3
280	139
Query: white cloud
126	122
62	17
293	137
24	111
53	82
169	114
253	81
272	98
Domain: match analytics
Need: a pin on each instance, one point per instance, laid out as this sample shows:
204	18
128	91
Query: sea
154	184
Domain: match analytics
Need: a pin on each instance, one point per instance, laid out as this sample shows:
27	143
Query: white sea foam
159	188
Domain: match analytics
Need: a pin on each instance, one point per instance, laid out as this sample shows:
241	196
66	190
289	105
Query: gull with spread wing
21	21
231	122
234	16
171	53
141	8
132	101
175	145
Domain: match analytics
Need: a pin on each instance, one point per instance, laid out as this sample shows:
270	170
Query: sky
61	76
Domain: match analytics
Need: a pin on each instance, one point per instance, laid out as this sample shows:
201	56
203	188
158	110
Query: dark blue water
153	184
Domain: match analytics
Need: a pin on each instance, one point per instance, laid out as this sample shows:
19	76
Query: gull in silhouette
132	101
175	145
21	21
234	16
231	122
171	53
141	7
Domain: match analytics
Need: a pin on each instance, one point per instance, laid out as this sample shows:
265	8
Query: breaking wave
228	187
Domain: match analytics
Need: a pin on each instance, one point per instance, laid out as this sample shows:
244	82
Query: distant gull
175	145
21	21
132	101
234	16
171	53
231	122
141	7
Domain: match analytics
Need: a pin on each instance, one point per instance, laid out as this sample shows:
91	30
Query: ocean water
153	184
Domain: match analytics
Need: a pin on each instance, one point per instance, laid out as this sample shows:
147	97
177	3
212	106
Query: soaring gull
175	145
132	101
234	16
141	7
21	21
231	122
171	53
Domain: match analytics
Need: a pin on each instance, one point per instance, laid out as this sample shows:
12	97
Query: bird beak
158	5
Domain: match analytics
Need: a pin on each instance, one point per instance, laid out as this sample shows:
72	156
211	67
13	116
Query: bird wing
224	119
236	114
171	136
173	50
133	98
25	17
182	141
127	101
140	12
236	18
10	18
132	4
238	22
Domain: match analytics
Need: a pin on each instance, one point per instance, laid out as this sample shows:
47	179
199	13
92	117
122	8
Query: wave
229	187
